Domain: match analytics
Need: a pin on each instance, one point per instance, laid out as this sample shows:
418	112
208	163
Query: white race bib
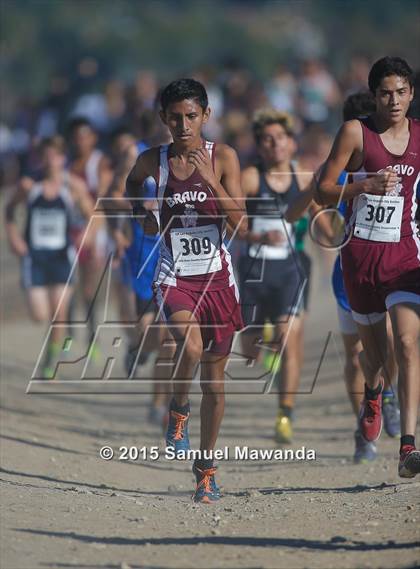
378	218
280	251
48	229
196	250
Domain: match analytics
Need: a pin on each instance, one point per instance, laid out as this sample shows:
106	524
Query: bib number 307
196	250
379	218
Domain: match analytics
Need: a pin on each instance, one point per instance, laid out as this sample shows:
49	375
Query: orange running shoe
207	490
177	432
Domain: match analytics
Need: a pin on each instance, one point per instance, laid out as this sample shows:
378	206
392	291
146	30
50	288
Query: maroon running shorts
379	275
217	312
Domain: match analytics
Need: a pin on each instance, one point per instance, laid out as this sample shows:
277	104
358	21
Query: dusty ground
64	507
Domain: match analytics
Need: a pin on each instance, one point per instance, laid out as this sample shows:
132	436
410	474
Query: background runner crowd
62	151
310	90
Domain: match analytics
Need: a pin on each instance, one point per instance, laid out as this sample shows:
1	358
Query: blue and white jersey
141	257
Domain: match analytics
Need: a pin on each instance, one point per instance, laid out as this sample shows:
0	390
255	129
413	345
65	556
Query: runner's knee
39	312
39	317
352	365
214	390
405	346
192	350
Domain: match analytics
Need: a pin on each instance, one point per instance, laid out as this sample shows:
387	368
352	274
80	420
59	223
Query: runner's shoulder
76	181
25	185
415	124
105	162
148	161
127	161
150	154
303	175
250	180
225	153
352	131
132	152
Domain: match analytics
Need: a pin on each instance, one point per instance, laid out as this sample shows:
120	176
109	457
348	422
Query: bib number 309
196	250
379	218
195	246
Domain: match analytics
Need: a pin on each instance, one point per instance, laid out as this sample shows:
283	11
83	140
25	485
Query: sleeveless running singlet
381	261
192	252
390	218
91	175
48	220
266	212
271	276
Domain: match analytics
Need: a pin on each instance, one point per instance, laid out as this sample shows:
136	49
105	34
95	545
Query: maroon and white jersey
388	218
192	252
381	260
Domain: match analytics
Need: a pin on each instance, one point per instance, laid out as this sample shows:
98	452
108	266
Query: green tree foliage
40	38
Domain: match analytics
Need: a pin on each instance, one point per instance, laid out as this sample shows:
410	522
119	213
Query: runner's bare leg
406	324
213	399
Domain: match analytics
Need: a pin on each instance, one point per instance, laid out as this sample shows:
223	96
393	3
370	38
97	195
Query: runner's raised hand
200	158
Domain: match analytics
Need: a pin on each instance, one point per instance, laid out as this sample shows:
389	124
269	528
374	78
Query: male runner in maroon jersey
198	190
381	261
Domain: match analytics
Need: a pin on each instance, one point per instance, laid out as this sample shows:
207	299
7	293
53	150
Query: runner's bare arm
347	148
228	190
300	205
16	241
326	225
104	176
115	197
123	168
81	196
249	183
147	164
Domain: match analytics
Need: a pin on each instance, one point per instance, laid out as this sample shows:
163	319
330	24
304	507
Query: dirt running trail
65	507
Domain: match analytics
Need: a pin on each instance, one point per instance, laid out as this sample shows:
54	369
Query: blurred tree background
41	39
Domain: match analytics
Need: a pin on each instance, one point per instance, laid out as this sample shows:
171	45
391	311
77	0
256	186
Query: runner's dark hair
358	105
78	122
57	142
389	66
120	131
182	89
